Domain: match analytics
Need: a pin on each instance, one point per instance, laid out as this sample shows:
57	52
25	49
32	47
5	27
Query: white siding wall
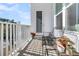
47	16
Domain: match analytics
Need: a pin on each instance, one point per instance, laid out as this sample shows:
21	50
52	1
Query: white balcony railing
13	37
58	32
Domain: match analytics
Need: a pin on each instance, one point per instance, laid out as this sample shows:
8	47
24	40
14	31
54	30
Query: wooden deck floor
33	49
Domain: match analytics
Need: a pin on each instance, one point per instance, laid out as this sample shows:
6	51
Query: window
71	18
59	21
66	4
77	19
58	7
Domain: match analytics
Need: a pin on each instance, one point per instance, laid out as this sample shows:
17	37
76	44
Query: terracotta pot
33	35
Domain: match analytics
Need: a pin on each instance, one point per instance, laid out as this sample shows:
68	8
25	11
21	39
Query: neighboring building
7	21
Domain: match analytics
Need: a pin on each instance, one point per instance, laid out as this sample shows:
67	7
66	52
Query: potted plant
65	42
33	35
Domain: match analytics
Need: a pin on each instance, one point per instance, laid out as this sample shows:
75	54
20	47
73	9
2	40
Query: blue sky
17	11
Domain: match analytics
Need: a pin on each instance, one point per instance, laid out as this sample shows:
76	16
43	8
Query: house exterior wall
47	16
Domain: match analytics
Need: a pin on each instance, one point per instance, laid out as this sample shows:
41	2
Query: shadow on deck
34	48
39	47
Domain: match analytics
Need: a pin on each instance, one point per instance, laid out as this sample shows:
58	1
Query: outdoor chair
48	43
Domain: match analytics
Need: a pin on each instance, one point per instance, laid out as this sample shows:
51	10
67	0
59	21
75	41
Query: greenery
68	45
7	20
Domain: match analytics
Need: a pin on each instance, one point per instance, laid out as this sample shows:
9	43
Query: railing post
20	35
7	43
1	40
10	38
16	38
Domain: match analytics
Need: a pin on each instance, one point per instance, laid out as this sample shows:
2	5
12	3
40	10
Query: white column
1	39
77	13
64	14
54	15
17	36
10	38
20	40
7	39
77	41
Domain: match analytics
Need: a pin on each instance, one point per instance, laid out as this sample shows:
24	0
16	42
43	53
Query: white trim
54	15
69	5
63	16
64	9
76	21
6	22
59	13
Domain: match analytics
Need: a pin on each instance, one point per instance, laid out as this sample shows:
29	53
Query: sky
20	12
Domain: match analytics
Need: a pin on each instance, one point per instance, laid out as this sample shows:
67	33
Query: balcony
45	46
15	40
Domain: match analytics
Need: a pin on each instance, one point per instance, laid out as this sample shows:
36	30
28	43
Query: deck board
34	49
